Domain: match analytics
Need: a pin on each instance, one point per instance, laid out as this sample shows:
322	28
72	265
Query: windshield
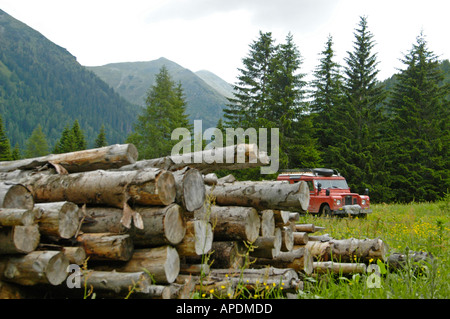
331	183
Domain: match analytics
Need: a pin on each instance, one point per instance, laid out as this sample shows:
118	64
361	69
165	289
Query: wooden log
231	157
14	195
108	157
308	228
36	267
412	259
195	269
348	250
197	240
190	188
338	268
103	220
299	259
227	254
281	217
163	263
17	217
267	223
19	239
119	283
210	179
75	255
162	226
107	246
275	195
300	238
287	239
112	188
235	223
266	247
59	219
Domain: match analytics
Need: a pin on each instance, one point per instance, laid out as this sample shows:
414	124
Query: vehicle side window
310	185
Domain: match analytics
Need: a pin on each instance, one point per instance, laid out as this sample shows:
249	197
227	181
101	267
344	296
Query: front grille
348	200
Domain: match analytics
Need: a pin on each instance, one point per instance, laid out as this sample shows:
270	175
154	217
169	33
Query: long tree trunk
107	157
207	161
60	219
37	267
235	223
14	195
338	268
262	195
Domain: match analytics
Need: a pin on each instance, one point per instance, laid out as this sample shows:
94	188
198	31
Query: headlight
338	202
363	202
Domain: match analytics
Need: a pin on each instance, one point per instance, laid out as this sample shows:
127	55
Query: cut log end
166	188
175	228
15	196
193	190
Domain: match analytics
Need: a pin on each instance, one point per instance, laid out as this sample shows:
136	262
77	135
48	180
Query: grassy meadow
404	227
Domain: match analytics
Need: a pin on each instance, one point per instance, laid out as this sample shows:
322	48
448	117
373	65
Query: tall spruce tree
164	112
327	99
358	152
5	146
36	144
101	141
419	130
72	139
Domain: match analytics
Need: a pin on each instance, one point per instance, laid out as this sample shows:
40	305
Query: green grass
404	227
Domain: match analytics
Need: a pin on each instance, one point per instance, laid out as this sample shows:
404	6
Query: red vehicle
329	192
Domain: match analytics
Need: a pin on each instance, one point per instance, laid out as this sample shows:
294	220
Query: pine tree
79	141
327	94
37	144
101	141
72	139
164	112
5	146
419	129
358	152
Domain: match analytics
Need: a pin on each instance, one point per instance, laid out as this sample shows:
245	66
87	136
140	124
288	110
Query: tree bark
37	267
210	179
19	239
348	250
263	195
197	240
59	219
17	217
119	283
338	268
107	157
287	239
163	263
300	238
162	226
103	220
308	228
266	247
112	188
208	161
14	195
107	246
267	223
227	254
235	223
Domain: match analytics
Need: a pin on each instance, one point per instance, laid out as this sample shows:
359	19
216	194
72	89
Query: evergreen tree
72	139
5	146
419	130
15	155
164	112
101	141
79	141
358	151
37	144
327	94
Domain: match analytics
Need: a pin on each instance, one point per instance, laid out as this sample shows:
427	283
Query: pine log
103	220
263	195
300	238
324	237
190	188
59	219
412	259
226	179
107	157
338	268
19	239
210	179
195	269
308	228
36	267
75	255
267	247
197	240
120	283
107	246
17	217
163	263
207	161
299	259
348	250
227	254
162	226
281	217
287	239
235	223
14	195
267	223
112	188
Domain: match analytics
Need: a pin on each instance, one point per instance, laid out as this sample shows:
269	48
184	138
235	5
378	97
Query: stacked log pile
160	228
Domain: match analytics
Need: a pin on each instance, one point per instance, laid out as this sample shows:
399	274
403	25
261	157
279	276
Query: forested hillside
43	84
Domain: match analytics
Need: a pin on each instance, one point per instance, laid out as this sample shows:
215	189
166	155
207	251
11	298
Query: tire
325	211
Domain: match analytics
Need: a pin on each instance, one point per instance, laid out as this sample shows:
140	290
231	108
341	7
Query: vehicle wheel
325	211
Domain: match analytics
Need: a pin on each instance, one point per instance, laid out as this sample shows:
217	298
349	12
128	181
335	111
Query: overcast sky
215	35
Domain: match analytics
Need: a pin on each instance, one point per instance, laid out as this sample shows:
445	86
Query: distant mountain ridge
206	93
42	83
